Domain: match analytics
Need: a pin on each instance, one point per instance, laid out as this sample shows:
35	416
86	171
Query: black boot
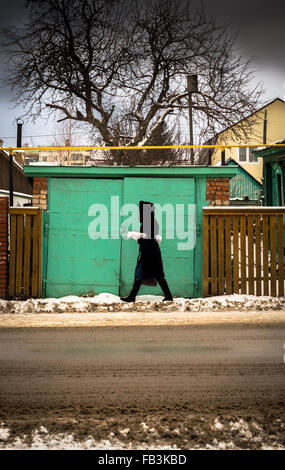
164	286
132	296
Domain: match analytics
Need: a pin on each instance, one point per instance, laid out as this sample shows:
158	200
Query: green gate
75	263
178	264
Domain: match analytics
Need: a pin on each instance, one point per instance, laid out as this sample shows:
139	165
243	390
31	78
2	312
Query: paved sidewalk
127	318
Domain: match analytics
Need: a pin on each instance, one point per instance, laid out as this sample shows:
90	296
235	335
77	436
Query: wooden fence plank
221	256
24	211
27	255
19	255
243	210
243	253
25	252
213	255
243	247
12	262
228	245
236	253
258	254
280	231
265	228
273	255
250	255
205	255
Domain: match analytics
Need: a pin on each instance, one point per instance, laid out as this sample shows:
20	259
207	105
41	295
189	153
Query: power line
40	135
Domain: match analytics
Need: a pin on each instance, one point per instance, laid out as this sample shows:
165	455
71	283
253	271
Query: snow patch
217	424
106	302
44	164
60	441
41	439
242	427
145	427
4	433
124	432
281	141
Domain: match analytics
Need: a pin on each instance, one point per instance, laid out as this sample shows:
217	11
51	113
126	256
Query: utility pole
192	87
69	140
11	185
11	162
265	127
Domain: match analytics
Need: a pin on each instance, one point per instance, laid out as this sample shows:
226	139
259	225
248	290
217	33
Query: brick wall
3	246
40	186
218	191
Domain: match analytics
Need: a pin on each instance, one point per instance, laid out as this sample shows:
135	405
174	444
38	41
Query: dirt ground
141	318
201	385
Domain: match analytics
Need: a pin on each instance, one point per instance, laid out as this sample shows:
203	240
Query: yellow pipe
161	147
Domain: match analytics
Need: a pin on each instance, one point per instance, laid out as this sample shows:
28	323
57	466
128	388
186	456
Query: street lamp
192	87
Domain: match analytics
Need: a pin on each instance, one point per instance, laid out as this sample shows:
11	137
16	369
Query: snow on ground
108	310
106	302
235	433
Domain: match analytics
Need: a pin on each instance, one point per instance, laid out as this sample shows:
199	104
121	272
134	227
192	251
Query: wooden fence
25	252
243	251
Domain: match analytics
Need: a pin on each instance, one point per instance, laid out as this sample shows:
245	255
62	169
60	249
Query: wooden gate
25	252
243	251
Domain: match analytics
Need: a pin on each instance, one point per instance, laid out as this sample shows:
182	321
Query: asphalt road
188	385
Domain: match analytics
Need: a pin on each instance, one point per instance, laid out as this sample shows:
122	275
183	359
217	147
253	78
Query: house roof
243	119
240	166
259	149
128	171
21	182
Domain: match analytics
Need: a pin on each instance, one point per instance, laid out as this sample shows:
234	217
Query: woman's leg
164	286
132	295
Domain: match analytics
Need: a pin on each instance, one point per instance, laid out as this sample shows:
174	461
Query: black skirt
149	266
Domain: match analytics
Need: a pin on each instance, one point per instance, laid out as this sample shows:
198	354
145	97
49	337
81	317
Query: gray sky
261	25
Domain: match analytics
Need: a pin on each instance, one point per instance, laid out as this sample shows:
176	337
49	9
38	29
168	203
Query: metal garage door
178	264
77	264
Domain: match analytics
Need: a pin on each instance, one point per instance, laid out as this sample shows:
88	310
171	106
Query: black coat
149	264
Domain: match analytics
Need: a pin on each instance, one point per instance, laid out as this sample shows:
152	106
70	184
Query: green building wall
243	185
273	175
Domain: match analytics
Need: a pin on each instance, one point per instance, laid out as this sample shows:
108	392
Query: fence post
3	246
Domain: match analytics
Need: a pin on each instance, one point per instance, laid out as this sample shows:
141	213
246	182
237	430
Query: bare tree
163	135
123	65
64	135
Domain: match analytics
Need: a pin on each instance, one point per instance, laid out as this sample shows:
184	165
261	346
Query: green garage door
76	263
178	264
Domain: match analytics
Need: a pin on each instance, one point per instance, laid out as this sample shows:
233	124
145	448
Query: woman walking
149	268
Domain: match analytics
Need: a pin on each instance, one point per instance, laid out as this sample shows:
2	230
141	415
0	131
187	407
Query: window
30	159
242	154
251	157
246	155
76	156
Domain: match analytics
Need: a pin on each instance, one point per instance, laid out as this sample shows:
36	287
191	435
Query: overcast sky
261	25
